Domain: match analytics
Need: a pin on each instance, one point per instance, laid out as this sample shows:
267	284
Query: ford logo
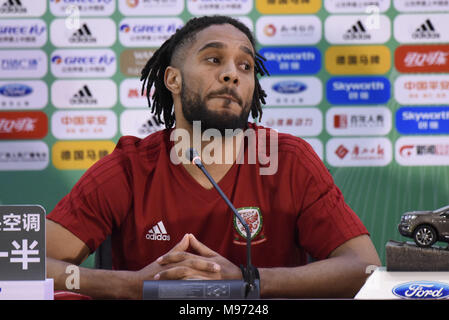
15	90
422	290
289	87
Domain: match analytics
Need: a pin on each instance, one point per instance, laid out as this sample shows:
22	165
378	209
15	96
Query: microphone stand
209	289
250	272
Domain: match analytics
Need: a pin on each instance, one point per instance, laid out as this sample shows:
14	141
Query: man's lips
227	97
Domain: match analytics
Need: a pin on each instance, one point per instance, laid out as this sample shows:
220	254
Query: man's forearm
98	284
337	277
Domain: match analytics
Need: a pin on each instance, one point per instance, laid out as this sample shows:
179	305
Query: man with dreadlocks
165	219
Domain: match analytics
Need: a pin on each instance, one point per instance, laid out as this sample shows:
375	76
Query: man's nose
229	75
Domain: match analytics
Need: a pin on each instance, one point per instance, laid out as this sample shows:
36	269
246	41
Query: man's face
218	78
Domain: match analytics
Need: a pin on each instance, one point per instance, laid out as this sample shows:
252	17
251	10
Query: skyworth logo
292	60
423	120
358	90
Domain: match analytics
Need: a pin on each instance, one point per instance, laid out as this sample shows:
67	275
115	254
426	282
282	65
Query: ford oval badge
15	90
422	290
289	87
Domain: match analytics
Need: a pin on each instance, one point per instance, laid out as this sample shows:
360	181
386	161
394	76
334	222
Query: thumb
201	248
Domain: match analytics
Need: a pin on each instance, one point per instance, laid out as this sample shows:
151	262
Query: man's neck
218	152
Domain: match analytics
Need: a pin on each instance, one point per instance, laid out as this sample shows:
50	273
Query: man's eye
246	66
213	60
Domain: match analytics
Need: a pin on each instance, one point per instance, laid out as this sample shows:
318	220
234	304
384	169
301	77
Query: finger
190	260
175	273
197	277
173	257
184	273
182	245
203	265
201	248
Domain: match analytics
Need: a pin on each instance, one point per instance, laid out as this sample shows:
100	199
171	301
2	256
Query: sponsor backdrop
366	83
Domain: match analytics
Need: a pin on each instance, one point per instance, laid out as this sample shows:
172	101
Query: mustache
226	91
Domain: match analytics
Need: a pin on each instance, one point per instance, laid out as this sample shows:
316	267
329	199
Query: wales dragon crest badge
253	217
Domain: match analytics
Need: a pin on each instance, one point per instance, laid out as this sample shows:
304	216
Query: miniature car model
426	227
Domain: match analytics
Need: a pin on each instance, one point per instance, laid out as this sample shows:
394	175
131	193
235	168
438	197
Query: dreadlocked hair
153	73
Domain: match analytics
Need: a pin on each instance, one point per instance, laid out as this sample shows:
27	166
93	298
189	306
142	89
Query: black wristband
256	272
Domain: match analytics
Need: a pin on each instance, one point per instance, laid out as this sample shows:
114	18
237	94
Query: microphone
250	273
249	288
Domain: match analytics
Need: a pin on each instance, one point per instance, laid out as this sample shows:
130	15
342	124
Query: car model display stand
407	256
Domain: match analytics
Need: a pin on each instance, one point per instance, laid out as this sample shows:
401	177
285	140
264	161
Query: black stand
406	256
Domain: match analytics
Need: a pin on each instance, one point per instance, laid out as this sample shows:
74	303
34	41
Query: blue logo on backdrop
422	290
149	28
19	64
84	1
15	90
17	30
289	87
423	120
293	60
103	59
358	90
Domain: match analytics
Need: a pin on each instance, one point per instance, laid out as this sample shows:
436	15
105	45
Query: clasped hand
178	264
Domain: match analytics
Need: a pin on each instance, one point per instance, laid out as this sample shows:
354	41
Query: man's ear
173	80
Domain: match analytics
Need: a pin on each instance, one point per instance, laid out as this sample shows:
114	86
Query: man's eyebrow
221	45
216	45
247	51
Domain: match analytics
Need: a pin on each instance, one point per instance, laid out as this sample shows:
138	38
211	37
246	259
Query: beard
194	108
